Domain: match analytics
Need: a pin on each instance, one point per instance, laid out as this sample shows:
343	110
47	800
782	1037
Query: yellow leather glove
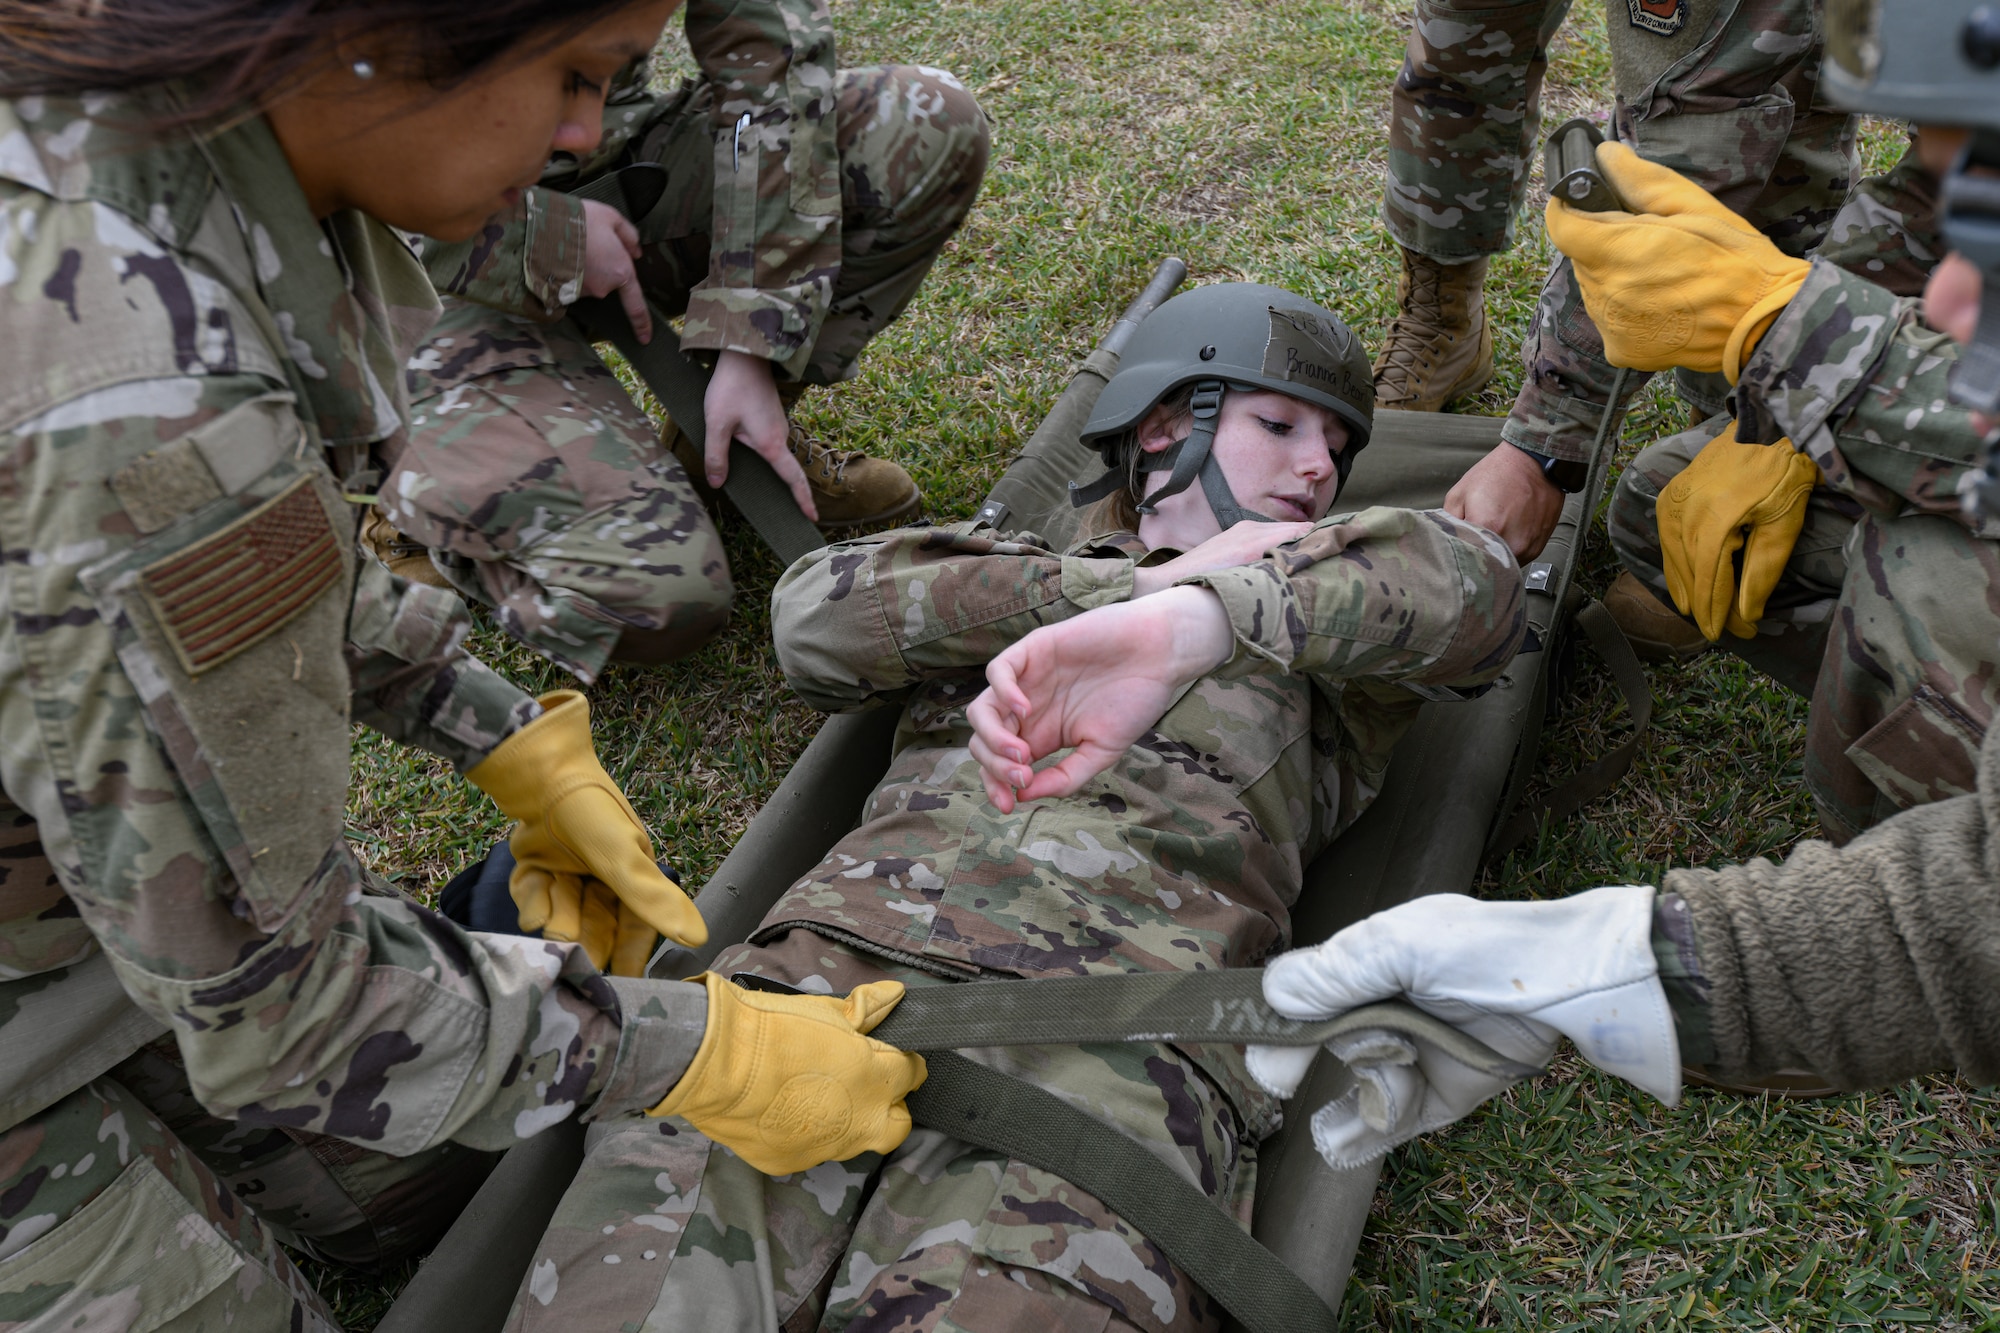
789	1081
584	869
1733	495
1681	280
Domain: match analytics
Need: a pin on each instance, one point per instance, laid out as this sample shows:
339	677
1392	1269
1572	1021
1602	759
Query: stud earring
363	70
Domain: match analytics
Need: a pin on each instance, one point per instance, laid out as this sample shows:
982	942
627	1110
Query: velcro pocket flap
134	1258
1925	750
219	458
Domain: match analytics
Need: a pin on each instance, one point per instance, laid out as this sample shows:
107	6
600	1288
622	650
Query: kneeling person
1258	667
804	205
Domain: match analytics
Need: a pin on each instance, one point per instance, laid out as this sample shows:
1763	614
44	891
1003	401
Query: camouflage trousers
1886	624
664	1229
544	492
1464	123
1723	91
1730	99
93	1187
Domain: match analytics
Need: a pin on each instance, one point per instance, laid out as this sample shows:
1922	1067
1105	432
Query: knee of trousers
1632	522
1906	694
941	149
653	561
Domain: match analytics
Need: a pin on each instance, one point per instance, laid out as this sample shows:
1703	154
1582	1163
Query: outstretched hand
1092	685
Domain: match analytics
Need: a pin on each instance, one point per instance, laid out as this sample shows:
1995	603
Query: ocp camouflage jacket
1853	376
188	630
1186	855
774	246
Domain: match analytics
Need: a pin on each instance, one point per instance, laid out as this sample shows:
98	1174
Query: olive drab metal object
1937	62
1569	165
1451	785
1230	335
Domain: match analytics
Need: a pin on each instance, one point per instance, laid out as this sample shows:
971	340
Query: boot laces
818	458
1417	336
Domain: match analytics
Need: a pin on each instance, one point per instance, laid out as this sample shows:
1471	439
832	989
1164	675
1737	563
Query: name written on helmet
1305	349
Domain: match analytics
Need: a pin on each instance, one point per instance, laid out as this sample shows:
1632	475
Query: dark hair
245	53
1119	511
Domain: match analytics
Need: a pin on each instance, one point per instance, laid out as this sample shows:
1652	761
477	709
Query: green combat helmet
1231	335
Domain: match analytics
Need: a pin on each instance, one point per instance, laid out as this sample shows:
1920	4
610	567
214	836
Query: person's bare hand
1243	543
743	404
1093	685
610	245
1506	493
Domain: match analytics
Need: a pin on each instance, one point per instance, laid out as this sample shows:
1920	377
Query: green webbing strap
1601	775
991	1110
753	486
1004	1114
1187	1008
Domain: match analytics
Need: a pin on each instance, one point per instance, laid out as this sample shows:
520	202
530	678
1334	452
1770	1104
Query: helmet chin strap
1186	462
1195	457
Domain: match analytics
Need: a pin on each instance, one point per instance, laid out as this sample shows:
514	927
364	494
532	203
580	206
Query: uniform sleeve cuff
553	253
1783	389
1090	582
778	326
1263	616
662	1023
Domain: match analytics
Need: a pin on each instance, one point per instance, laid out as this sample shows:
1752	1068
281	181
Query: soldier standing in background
217	1029
1867	963
804	204
1726	93
1724	90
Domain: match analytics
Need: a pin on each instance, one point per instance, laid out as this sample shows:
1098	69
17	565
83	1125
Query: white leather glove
1514	975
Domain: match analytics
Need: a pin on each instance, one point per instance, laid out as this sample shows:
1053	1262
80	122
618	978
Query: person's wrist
744	363
1203	638
1150	579
1557	474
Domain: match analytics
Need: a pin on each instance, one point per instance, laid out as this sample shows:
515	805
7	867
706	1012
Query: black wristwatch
1566	475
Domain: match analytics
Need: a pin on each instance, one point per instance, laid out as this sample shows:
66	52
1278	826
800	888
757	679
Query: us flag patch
234	587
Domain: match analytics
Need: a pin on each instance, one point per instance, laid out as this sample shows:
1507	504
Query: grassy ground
1248	137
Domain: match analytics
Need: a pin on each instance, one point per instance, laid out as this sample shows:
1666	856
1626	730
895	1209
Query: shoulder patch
1665	17
234	587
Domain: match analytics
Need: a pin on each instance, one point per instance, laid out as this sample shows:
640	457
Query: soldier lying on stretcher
1239	411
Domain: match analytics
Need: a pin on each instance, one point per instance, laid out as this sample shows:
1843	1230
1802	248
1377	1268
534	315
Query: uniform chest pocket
230	619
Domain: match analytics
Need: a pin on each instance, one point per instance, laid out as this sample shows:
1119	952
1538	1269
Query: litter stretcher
1448	804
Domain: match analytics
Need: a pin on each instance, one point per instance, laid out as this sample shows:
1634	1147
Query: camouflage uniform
193	361
795	237
1464	123
1888	612
1186	855
1728	100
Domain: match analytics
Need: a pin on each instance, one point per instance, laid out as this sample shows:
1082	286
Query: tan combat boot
406	559
850	489
1440	346
1657	632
